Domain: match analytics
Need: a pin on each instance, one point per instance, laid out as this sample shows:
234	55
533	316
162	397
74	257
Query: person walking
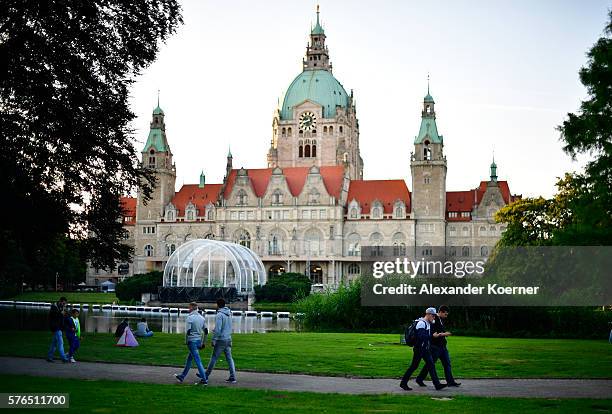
421	350
222	341
195	339
72	328
439	350
56	324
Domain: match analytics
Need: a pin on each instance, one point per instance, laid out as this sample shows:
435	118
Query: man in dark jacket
439	350
121	327
56	325
421	350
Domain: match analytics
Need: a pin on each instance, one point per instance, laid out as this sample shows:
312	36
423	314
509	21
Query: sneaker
405	387
421	383
50	360
179	377
202	382
72	360
454	384
200	377
440	386
231	380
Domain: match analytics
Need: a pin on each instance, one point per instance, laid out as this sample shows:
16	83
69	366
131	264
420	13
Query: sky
503	75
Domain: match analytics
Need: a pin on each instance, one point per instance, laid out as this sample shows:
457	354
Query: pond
34	318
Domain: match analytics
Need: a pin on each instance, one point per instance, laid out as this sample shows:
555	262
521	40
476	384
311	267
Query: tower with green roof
316	122
157	157
428	168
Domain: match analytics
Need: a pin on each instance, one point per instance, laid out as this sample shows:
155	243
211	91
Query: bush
133	287
284	288
342	311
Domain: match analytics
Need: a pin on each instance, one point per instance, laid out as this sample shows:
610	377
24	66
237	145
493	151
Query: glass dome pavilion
214	263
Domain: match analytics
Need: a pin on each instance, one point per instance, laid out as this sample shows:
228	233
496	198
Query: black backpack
410	335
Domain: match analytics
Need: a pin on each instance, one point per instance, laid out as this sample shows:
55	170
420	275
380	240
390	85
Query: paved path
535	388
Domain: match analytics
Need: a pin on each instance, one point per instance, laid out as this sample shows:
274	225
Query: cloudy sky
503	75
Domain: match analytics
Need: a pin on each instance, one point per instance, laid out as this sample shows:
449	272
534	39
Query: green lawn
114	396
73	297
348	354
273	306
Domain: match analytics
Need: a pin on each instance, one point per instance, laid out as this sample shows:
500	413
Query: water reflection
21	317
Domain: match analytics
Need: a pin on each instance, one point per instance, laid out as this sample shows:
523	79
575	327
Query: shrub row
284	288
342	311
133	287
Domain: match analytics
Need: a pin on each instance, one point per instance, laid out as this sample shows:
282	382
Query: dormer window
377	211
242	198
277	197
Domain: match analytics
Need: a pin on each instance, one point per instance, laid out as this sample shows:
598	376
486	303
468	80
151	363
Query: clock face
308	121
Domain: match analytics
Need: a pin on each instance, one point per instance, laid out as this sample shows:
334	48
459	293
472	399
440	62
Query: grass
111	396
273	306
73	297
348	354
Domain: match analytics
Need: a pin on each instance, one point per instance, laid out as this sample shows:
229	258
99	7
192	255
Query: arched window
314	148
284	132
190	215
307	150
465	251
398	211
353	244
428	109
354	213
325	130
170	215
492	231
452	231
170	248
312	242
399	244
274	245
152	161
377	210
242	198
210	214
341	129
313	197
452	251
483	231
148	250
276	270
289	131
244	238
484	251
331	129
354	269
426	153
376	241
277	197
301	151
466	232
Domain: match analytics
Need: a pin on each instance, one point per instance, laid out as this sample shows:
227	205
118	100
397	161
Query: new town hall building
311	211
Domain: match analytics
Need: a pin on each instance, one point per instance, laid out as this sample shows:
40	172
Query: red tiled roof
385	191
129	210
503	186
200	197
295	176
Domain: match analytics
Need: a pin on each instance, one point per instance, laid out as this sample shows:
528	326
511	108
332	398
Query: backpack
410	335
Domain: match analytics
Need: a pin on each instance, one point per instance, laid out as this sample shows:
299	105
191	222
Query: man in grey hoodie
195	339
222	341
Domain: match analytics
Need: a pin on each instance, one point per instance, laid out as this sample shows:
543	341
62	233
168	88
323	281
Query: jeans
57	342
226	348
75	343
144	335
194	354
425	354
442	353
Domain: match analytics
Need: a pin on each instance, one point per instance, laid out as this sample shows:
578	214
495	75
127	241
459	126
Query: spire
229	152
202	179
428	98
158	110
493	169
317	30
317	55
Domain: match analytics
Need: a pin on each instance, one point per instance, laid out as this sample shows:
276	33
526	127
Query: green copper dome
158	111
428	98
319	86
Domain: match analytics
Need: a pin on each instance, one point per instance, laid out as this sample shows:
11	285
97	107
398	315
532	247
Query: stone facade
310	210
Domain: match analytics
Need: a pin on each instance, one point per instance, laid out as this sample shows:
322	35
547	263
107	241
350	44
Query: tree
581	211
590	132
66	151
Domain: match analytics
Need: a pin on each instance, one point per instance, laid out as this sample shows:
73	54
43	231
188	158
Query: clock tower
316	123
